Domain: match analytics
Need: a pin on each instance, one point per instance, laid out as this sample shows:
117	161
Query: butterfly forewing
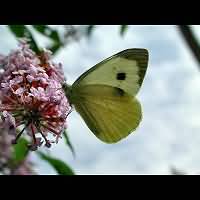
124	70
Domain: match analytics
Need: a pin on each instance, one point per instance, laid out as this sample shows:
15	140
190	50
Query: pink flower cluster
31	98
6	152
5	148
25	168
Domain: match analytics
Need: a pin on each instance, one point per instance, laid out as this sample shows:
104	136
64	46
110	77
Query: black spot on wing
121	76
141	56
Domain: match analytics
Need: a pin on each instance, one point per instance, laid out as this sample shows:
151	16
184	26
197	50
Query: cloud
164	136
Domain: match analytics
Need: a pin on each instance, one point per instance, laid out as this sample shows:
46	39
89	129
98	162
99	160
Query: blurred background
168	138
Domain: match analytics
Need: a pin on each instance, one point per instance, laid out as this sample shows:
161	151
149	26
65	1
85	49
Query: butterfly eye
121	76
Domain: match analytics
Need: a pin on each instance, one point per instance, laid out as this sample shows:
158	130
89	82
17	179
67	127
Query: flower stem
19	135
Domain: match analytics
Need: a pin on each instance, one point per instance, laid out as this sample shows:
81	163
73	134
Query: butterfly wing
109	113
125	70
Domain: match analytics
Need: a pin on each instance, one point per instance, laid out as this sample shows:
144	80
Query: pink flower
31	95
25	168
5	146
8	123
6	152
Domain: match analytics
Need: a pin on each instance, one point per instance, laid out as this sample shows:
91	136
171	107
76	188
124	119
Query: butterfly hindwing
110	113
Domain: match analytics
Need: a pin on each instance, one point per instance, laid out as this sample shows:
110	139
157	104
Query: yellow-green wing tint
109	112
125	70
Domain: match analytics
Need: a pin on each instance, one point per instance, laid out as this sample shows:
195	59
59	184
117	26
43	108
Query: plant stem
191	40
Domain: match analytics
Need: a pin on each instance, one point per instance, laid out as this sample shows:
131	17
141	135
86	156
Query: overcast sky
169	134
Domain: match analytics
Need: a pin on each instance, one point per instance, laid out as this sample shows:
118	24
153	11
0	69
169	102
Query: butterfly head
68	91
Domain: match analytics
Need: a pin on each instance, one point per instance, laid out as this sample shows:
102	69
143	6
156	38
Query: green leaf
54	48
20	151
61	167
68	142
49	32
90	29
123	29
21	31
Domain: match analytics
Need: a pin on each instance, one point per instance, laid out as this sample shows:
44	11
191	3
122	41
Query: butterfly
104	96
